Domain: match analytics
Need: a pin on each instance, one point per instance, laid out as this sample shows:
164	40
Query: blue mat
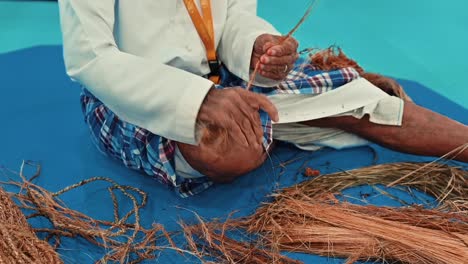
43	122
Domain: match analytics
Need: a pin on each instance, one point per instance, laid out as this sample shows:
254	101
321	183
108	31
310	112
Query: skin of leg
223	162
423	132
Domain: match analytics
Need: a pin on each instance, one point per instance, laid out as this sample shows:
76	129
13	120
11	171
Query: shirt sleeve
162	99
242	28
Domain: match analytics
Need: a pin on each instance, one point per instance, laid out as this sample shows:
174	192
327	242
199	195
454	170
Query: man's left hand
276	55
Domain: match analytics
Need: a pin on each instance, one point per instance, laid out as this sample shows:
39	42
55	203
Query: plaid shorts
141	150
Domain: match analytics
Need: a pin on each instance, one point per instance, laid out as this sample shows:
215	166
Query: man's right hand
236	110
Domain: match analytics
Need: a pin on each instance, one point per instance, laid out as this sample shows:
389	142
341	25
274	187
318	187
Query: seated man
156	97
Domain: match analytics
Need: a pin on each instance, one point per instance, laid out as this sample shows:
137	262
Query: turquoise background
420	40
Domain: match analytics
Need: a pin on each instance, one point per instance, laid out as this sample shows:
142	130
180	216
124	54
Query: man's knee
223	166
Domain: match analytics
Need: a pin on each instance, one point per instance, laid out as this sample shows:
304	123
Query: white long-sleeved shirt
143	58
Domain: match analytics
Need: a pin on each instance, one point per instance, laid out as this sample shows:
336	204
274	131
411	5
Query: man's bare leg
423	132
224	161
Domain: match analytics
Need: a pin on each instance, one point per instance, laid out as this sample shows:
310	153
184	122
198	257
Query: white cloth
143	58
357	98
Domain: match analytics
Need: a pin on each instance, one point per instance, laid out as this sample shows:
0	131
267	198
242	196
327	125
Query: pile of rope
18	242
125	240
309	218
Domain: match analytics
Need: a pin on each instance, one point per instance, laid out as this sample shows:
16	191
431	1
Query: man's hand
236	111
276	55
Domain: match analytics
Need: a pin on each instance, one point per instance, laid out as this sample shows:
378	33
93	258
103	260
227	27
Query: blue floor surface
422	40
43	122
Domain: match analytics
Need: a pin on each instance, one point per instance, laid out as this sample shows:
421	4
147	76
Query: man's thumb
267	46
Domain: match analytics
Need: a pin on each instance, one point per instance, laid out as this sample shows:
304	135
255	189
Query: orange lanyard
205	29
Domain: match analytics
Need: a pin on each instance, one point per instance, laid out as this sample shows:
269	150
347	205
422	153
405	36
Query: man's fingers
288	47
283	60
267	46
237	104
238	135
242	115
245	116
250	115
279	50
256	126
249	132
267	106
260	101
252	127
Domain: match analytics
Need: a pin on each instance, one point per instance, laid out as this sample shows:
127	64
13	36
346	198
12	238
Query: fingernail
263	59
